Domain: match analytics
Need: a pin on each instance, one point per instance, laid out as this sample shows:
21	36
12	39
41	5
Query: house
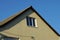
27	25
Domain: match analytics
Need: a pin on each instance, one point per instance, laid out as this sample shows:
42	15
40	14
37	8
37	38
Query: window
8	38
31	21
3	37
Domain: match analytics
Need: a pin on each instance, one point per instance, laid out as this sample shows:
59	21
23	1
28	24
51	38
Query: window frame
10	38
31	21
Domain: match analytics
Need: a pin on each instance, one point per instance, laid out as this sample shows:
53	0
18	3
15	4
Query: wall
18	28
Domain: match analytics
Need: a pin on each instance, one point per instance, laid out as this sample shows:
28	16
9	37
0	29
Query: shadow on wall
16	20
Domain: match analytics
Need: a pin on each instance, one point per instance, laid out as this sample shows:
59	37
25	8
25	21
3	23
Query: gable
19	15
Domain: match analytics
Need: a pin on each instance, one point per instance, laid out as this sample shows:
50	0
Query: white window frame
35	22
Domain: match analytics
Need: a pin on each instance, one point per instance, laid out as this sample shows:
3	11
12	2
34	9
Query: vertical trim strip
36	23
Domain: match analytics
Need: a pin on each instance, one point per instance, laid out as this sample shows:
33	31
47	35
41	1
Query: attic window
31	21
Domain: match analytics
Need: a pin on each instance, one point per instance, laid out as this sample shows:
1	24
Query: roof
14	16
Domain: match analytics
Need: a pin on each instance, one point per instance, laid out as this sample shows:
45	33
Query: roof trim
13	17
5	22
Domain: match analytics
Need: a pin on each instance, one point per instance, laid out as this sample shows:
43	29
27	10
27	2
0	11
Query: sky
48	9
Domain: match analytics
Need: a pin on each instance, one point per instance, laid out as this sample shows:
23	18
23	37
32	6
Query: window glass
10	38
3	37
30	21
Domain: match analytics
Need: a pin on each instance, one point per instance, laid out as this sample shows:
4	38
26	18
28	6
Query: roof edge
13	16
46	22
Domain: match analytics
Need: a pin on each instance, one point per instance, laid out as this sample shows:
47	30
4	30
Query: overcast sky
48	9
